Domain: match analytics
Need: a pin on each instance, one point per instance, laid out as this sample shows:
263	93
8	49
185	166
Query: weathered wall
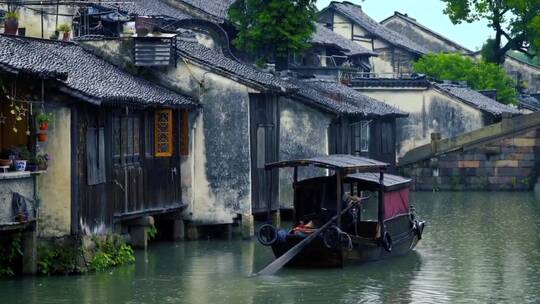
219	162
23	185
524	72
429	112
508	164
30	18
302	134
54	187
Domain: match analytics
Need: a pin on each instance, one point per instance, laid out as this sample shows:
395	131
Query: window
95	156
360	132
126	139
163	133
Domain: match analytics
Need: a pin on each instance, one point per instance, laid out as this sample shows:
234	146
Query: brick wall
505	165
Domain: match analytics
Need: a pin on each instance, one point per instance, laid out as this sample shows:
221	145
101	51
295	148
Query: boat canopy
370	180
334	162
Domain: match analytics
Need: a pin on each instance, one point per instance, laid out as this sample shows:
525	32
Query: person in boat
308	226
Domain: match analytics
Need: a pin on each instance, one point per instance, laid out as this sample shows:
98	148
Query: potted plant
66	29
11	23
22	155
43	161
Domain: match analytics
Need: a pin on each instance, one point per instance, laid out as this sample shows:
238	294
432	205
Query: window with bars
360	132
163	133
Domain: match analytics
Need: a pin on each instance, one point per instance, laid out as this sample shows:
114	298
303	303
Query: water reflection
478	247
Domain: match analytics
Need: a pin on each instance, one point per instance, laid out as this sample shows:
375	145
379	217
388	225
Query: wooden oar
287	256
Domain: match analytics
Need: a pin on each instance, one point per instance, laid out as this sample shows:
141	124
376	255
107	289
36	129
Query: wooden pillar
381	202
338	197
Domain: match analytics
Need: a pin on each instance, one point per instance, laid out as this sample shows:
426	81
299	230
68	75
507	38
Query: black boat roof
390	182
334	161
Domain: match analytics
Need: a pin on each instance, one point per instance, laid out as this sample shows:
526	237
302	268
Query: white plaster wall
429	111
30	18
342	26
54	187
529	74
303	134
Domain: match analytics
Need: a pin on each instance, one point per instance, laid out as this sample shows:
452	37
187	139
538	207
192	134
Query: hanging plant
43	120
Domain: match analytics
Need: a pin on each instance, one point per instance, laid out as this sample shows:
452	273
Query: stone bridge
503	156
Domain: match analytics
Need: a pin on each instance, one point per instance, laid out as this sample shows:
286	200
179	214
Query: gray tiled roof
82	73
475	99
150	8
359	103
529	102
217	8
414	22
325	36
222	64
355	13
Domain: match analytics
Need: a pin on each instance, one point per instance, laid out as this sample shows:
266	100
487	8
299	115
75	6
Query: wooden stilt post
338	197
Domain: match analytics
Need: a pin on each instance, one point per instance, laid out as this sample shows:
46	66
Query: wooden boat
353	237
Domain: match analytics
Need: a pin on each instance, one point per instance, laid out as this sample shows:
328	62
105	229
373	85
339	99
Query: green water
477	248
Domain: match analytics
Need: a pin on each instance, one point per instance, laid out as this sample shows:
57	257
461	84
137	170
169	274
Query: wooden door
264	134
162	161
127	174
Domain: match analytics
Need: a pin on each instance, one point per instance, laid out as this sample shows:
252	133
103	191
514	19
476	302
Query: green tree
478	75
271	29
516	24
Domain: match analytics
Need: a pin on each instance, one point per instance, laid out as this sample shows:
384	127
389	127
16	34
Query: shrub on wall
478	75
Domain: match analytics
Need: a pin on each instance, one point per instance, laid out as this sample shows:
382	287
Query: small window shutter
95	156
184	132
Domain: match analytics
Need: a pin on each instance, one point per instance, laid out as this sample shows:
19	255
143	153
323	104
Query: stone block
139	236
192	232
501	179
506	163
448	164
525	149
509	149
517	172
524	142
526	163
469	164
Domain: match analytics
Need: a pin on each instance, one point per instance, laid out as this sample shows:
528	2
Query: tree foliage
478	75
516	23
270	29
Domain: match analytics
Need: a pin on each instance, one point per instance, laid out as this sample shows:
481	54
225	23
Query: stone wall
505	165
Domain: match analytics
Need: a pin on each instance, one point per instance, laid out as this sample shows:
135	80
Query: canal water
477	248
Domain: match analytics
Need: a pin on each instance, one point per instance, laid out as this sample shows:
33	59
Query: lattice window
164	133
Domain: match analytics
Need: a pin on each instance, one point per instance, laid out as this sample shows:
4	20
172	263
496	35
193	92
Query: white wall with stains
429	111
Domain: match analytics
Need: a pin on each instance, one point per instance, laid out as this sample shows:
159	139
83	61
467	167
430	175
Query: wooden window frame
170	135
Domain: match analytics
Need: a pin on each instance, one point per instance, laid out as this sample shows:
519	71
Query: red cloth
396	203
